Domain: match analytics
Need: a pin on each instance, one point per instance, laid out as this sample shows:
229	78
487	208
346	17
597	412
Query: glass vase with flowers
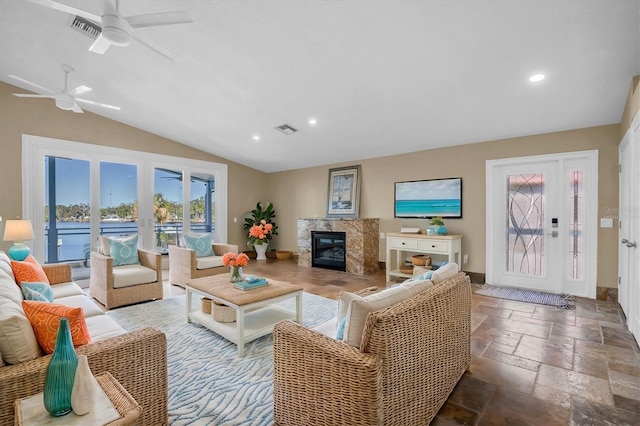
235	261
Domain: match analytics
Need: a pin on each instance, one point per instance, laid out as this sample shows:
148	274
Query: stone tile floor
531	364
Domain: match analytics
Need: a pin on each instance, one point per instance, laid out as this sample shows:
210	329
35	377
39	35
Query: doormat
564	301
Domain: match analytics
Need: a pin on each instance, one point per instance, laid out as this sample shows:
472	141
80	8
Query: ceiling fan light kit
116	30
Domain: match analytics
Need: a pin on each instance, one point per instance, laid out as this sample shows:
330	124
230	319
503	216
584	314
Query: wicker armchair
183	263
411	356
104	286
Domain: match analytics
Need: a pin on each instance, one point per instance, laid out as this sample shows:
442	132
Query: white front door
542	222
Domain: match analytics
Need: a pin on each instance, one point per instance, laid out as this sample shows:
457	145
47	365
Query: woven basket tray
222	313
406	269
206	305
421	260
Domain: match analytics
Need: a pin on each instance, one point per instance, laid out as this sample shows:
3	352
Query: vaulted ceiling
380	77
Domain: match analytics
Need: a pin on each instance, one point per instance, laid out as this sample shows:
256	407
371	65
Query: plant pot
251	254
261	250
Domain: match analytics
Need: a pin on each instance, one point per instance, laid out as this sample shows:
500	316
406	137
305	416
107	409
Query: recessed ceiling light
256	137
536	78
313	121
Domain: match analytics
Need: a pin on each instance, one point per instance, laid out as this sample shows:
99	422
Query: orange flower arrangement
261	232
235	260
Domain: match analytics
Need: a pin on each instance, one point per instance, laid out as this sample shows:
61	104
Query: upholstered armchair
184	265
115	286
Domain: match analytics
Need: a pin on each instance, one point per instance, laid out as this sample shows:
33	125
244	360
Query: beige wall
303	193
40	117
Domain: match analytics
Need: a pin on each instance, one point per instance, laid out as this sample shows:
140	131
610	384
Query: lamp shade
18	230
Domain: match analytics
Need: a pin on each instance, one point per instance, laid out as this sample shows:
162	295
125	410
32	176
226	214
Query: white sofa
137	359
17	340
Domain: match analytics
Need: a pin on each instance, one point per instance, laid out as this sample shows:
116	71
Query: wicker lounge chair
184	266
411	356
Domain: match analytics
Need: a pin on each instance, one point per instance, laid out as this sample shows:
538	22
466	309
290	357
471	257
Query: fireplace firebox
328	250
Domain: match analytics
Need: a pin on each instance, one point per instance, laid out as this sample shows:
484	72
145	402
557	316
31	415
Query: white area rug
208	383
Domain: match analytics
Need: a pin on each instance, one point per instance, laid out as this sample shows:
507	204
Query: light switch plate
606	222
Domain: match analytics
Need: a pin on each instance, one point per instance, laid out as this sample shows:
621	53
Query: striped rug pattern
208	383
563	301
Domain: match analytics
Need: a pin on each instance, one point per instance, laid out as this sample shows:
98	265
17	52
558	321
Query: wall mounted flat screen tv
428	198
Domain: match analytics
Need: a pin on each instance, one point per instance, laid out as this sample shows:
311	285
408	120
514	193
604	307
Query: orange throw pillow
45	320
28	270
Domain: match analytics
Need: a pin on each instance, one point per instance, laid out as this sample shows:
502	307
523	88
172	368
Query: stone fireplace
329	250
361	240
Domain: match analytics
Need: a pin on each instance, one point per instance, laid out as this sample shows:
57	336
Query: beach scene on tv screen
428	198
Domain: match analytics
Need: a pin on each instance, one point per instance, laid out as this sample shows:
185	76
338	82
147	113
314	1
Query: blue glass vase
61	371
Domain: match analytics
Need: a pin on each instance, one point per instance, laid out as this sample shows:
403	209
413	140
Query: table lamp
18	230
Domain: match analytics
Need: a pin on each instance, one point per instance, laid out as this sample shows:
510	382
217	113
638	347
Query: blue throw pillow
124	251
200	243
425	276
340	329
40	292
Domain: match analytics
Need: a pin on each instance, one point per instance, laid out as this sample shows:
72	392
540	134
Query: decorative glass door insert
525	224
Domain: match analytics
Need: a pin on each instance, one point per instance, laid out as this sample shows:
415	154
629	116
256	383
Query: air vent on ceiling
286	129
85	27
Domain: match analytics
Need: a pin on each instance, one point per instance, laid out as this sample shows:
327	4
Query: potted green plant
436	226
261	228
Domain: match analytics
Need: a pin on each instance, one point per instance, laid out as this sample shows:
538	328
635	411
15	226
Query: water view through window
68	188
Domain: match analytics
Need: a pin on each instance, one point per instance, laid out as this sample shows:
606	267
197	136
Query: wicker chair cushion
444	272
28	270
200	243
5	265
17	340
344	300
9	290
130	275
359	309
124	251
45	320
104	247
102	327
419	270
66	289
37	291
209	262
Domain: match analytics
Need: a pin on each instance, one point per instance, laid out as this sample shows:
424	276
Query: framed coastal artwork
343	199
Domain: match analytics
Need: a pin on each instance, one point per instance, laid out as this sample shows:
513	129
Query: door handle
624	241
554	234
631	244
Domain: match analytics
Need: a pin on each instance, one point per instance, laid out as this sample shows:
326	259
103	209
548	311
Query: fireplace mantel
362	241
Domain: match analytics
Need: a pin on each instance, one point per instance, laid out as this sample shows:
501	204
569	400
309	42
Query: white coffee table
256	313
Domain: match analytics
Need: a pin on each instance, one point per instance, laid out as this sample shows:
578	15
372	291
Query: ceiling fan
117	30
67	99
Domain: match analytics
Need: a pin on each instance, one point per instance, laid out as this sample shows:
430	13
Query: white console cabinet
448	246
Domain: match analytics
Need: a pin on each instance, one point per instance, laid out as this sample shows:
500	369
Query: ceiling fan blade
157	19
86	101
27	95
30	83
100	45
77	109
156	48
67	9
79	91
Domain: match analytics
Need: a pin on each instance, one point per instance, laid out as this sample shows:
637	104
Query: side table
127	408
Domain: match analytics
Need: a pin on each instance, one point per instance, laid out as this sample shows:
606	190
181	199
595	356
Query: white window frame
36	148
